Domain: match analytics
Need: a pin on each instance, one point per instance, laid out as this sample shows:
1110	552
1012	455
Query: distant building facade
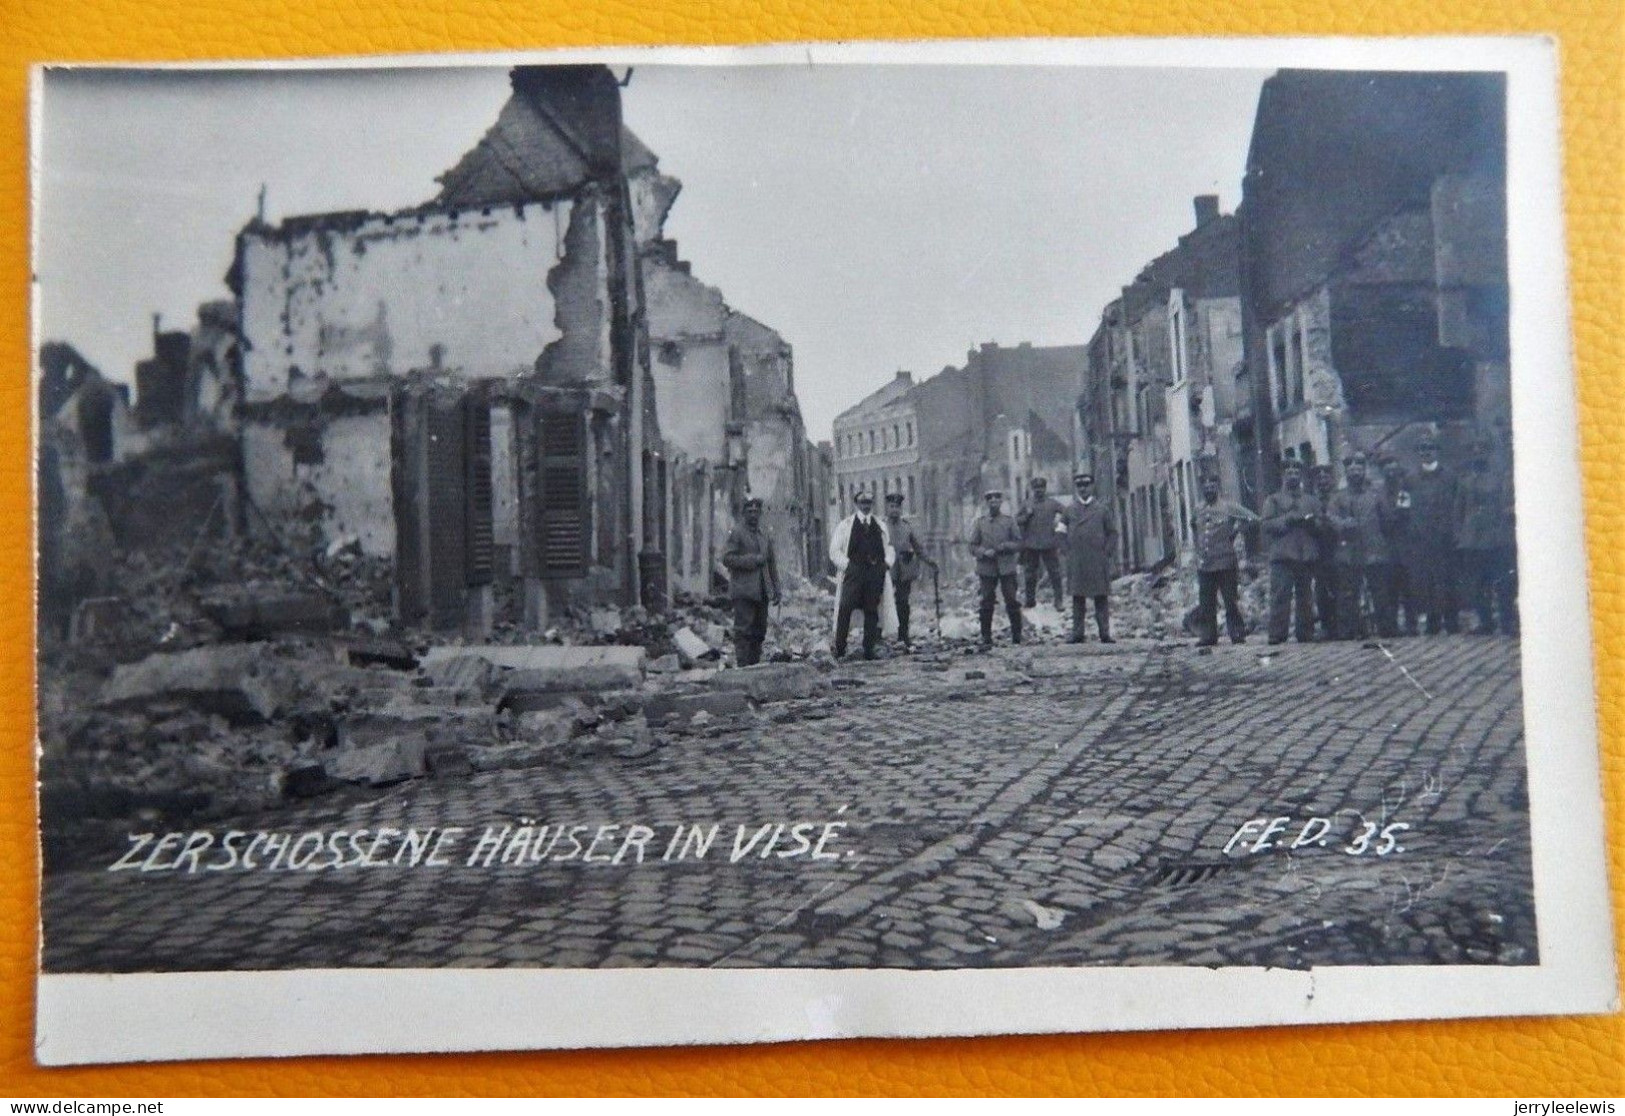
1164	397
998	421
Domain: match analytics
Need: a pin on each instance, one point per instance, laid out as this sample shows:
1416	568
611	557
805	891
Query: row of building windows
876	439
878	489
1286	361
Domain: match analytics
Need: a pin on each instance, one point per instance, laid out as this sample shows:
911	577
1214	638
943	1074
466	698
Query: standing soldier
1360	514
1324	482
1216	526
1291	517
1486	540
910	554
1396	491
1091	541
753	582
1430	541
862	554
996	544
1040	543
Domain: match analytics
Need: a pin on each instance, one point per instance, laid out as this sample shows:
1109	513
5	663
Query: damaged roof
540	147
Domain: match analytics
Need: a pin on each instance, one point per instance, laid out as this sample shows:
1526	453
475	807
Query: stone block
551	669
380	764
691	648
380	652
258	614
681	709
244	683
773	682
461	673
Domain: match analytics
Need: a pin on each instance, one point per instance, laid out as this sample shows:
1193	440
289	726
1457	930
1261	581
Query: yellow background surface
1520	1057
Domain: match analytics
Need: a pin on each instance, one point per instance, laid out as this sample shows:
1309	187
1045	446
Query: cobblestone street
1046	805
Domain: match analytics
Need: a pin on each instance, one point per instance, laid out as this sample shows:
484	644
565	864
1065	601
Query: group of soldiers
878	560
1397	553
1037	537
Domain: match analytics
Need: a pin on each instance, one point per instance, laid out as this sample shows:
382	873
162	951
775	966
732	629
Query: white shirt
842	539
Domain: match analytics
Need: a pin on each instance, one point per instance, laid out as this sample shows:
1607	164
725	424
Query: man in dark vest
1091	544
862	553
753	582
1040	543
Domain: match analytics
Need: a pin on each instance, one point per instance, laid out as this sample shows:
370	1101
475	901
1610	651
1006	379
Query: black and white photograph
743	546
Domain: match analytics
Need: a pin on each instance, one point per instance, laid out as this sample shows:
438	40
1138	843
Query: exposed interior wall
324	467
689	363
472	292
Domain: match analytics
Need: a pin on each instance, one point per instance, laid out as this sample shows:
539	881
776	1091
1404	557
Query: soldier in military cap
910	556
1040	542
1361	514
753	582
1291	517
1216	527
1091	543
995	542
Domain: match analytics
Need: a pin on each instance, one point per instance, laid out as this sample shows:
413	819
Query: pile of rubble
1163	604
218	729
254	672
1155	605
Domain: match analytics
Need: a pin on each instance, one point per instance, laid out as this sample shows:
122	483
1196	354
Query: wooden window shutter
444	477
564	523
478	530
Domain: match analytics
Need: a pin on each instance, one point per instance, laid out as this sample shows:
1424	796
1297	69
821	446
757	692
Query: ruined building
85	425
725	393
508	385
997	422
1374	277
1164	398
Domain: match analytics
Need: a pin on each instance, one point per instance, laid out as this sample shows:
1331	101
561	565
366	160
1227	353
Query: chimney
1207	208
906	377
583	101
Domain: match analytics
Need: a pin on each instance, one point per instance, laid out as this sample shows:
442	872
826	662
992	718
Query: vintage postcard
685	546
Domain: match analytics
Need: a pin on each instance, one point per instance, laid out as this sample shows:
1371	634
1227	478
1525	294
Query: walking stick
936	598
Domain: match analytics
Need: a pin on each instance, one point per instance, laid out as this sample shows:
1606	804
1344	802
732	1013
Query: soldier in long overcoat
1091	542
